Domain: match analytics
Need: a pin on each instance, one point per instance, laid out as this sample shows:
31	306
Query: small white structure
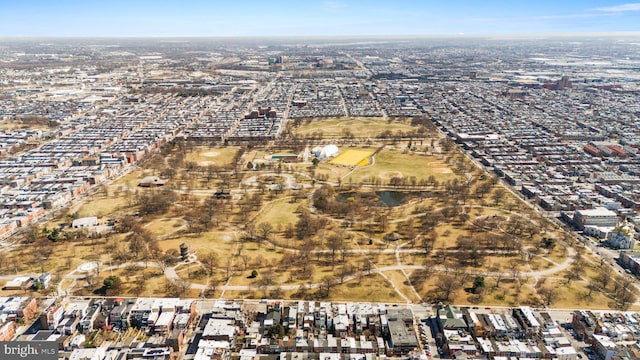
622	237
325	152
598	232
84	222
152	181
19	283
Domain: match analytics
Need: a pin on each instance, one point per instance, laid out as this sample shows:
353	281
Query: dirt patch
210	154
165	245
440	168
390	174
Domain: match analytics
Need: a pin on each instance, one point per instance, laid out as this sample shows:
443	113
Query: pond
392	198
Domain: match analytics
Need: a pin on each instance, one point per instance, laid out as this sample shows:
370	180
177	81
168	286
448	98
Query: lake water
391	198
384	198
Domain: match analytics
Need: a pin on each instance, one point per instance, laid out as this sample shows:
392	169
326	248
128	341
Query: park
399	215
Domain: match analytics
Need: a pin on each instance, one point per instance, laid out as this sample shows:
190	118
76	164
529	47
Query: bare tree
209	260
428	242
265	230
266	280
245	261
625	298
383	221
211	287
498	195
483	188
548	294
603	277
328	282
514	268
498	274
335	242
229	268
577	270
408	230
181	287
445	286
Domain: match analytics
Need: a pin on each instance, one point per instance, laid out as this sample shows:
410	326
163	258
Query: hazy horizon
342	36
251	18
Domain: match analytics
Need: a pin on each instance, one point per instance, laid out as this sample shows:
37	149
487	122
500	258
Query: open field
366	127
281	211
575	295
205	156
165	226
221	242
366	288
102	206
391	163
352	157
131	180
19	125
331	172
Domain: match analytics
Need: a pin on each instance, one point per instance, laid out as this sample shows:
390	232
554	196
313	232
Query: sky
187	18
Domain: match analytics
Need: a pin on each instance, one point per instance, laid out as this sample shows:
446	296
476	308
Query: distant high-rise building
561	84
564	83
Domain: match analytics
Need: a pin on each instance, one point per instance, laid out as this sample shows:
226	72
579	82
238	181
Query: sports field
366	127
391	163
352	158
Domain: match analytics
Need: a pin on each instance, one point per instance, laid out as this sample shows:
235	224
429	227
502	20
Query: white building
598	232
566	353
595	217
622	237
325	152
212	349
219	330
84	222
604	347
89	354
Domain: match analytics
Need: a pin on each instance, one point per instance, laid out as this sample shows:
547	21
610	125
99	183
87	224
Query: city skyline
318	18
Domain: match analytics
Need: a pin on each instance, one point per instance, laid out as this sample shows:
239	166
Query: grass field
352	157
204	156
393	163
132	179
163	227
366	127
12	125
102	206
280	212
400	281
575	295
331	171
368	288
221	242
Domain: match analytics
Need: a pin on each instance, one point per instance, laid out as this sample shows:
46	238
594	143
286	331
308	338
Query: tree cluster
156	201
308	225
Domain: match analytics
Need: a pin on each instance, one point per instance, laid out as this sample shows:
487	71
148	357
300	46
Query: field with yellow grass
352	158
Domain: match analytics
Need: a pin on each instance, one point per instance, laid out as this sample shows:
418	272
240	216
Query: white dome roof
329	151
325	152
